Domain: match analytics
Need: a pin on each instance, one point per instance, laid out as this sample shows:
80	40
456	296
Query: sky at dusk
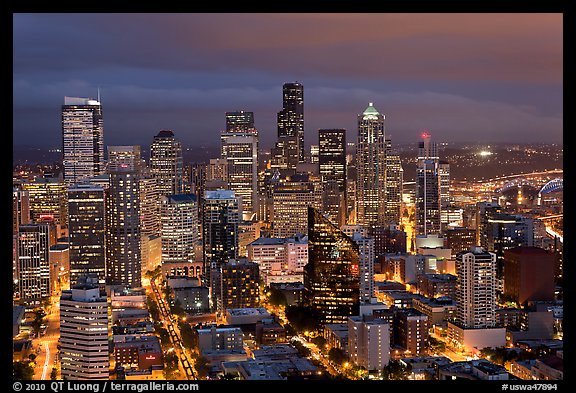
462	77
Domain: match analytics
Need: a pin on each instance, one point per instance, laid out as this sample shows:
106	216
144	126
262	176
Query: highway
172	328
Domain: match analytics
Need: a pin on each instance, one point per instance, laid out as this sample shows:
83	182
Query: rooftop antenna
98	93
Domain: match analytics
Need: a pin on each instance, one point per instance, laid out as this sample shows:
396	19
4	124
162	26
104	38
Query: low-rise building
246	316
336	335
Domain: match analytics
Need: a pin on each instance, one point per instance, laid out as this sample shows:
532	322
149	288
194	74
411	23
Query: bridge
552	186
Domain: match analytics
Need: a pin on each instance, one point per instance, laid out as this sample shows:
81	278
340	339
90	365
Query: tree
302	318
202	367
38	321
187	334
230	376
320	342
303	350
337	355
277	298
54	373
171	365
396	370
22	371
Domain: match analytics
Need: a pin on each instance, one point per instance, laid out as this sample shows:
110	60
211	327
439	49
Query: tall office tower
366	266
20	208
123	249
476	288
290	201
240	151
444	179
220	219
370	168
529	274
394	189
82	139
124	157
427	188
505	231
314	153
332	167
291	120
239	121
179	228
460	239
484	210
86	232
84	332
166	163
47	200
33	254
239	285
331	277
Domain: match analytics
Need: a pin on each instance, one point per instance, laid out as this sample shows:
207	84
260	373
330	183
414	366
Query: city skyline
445	73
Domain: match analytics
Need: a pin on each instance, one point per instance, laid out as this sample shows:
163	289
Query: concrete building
369	342
529	274
33	263
84	332
279	256
411	330
239	284
220	339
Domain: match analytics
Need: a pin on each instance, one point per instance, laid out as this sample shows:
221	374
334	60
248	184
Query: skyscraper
371	168
124	157
33	263
84	332
123	249
179	228
82	139
47	200
87	234
291	117
331	277
239	149
166	163
20	208
239	121
366	265
427	188
220	219
290	200
394	189
332	167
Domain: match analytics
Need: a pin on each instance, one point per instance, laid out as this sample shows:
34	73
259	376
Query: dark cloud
465	76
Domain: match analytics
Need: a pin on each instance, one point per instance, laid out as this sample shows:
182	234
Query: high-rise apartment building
427	188
82	139
239	149
332	168
84	332
370	168
123	242
86	232
166	163
33	263
239	284
369	342
476	288
366	266
331	277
